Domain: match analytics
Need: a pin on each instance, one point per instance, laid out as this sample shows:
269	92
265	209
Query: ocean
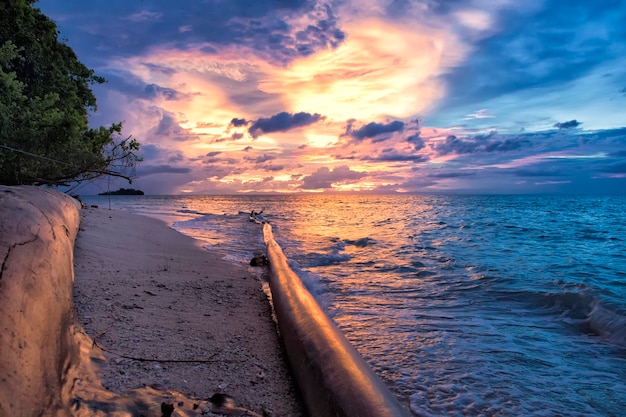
465	305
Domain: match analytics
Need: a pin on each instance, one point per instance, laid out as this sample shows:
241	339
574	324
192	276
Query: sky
377	96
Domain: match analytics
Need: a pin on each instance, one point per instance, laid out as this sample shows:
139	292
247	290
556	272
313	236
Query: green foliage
45	100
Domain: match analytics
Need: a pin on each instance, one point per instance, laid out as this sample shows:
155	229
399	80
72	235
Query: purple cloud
568	125
373	129
282	122
325	178
236	122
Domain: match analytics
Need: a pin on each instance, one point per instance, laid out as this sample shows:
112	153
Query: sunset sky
485	96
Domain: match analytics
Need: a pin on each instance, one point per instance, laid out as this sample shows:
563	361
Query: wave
202	217
325	259
586	311
187	211
360	243
608	324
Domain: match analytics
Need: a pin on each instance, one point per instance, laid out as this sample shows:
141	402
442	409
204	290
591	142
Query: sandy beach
170	315
108	313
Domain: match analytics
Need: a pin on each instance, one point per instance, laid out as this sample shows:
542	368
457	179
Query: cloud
156	154
158	68
302	29
177	81
324	178
453	144
568	125
235	122
506	145
260	159
169	127
373	129
282	122
154	91
134	87
538	172
534	47
481	144
370	75
145	170
277	30
480	114
312	37
394	156
451	174
416	140
273	168
145	16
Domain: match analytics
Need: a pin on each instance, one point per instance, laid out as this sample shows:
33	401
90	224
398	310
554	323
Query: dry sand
173	316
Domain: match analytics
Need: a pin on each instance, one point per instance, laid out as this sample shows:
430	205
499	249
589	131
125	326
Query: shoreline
110	313
170	315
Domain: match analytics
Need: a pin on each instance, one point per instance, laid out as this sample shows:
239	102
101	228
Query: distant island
123	191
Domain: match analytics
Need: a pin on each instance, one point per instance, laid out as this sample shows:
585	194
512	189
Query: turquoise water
464	305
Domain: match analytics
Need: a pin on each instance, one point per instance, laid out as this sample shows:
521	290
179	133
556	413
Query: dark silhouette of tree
45	101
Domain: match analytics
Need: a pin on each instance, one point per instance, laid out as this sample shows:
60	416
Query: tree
45	101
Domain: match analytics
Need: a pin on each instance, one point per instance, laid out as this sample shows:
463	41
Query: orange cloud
380	70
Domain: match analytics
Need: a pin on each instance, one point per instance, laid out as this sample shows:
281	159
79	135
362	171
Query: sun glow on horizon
380	70
217	108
